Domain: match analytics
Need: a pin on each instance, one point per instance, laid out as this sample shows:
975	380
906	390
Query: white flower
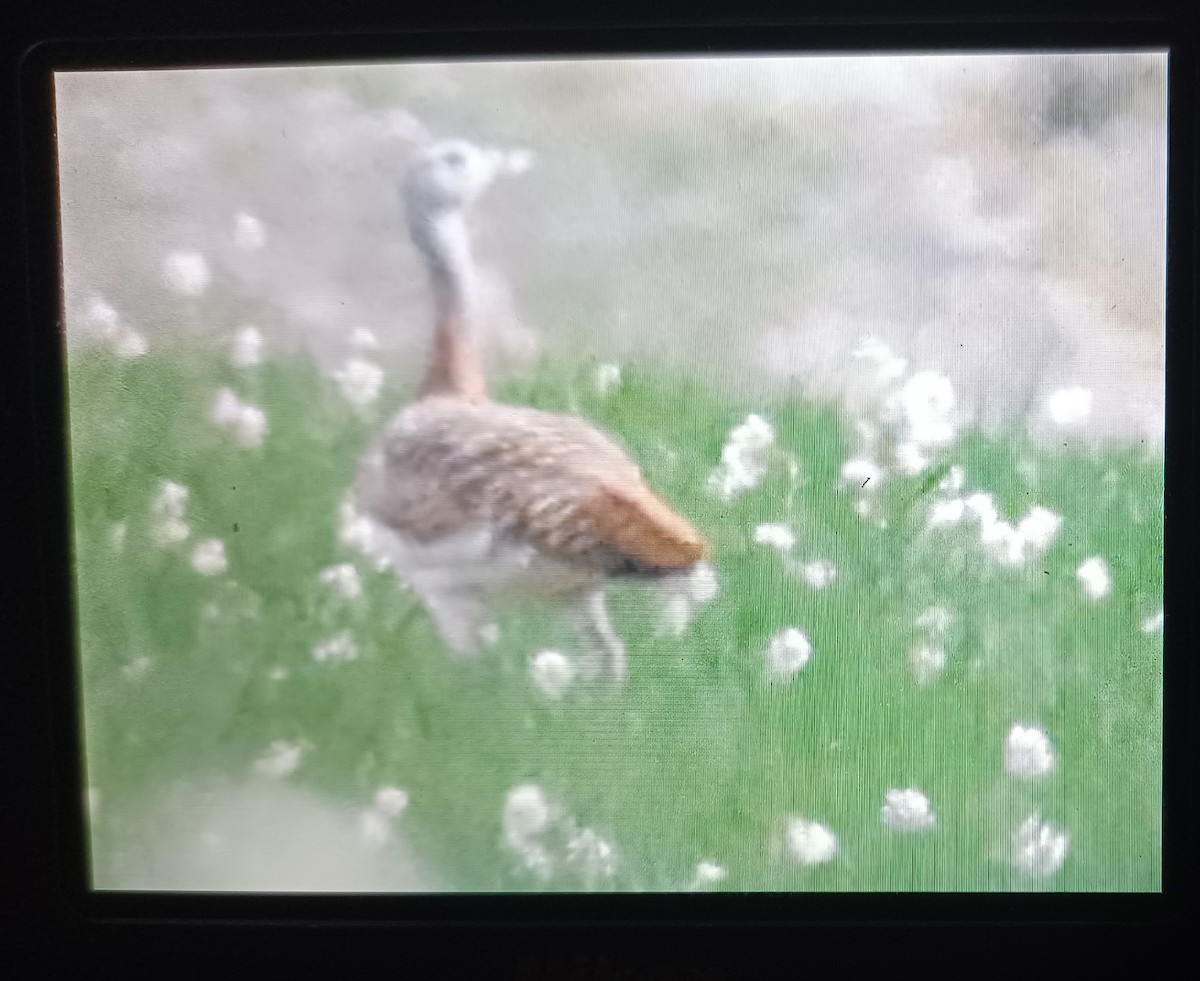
363	340
1039	848
743	458
1153	624
247	347
391	801
936	619
209	559
591	854
251	426
608	377
169	508
926	402
1005	542
248	232
787	653
527	813
171	531
343	579
101	314
777	535
1027	752
907	810
819	574
1094	576
928	661
360	381
888	367
708	872
248	422
338	648
138	668
1039	527
953	482
811	843
1070	406
702	584
280	759
984	508
911	459
552	673
226	408
128	344
861	473
187	273
373	827
945	513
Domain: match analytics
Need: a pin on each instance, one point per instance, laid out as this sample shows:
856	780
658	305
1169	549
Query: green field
699	757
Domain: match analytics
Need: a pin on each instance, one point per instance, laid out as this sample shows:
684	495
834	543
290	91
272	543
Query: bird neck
454	367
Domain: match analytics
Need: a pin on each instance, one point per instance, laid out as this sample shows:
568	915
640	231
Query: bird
473	501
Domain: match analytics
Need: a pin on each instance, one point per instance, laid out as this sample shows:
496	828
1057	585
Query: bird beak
508	162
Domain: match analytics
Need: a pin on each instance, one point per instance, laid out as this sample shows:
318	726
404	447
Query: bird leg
610	647
456	610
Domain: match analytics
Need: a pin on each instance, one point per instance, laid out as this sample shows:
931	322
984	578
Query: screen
619	475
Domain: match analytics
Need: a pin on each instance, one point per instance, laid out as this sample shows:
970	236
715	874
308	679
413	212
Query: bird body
474	501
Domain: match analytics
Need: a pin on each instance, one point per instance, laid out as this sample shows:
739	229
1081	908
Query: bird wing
551	481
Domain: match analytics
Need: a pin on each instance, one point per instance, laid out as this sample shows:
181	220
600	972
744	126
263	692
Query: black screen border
55	591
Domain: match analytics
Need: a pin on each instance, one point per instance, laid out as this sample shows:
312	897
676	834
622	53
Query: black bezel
55	583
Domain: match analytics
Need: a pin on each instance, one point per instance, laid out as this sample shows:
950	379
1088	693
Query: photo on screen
662	475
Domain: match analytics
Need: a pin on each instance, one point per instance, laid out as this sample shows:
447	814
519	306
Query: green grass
698	756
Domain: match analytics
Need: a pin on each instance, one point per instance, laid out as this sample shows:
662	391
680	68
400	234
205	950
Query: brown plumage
475	498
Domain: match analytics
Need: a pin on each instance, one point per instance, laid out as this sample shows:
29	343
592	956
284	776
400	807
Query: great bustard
472	500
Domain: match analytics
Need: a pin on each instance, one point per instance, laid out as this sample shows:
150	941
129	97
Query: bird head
449	175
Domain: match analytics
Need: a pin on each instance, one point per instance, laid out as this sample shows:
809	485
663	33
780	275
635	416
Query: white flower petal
1038	848
776	535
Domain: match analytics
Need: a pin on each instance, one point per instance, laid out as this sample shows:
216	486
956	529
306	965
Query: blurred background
998	218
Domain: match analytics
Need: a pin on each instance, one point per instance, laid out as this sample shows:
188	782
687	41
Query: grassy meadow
703	757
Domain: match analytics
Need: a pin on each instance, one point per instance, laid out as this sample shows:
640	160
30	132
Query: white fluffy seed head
551	673
343	579
247	347
1028	752
743	459
527	813
608	378
1038	848
787	653
209	558
776	535
811	843
1070	407
339	648
907	810
280	759
1094	577
360	381
928	661
187	273
391	801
